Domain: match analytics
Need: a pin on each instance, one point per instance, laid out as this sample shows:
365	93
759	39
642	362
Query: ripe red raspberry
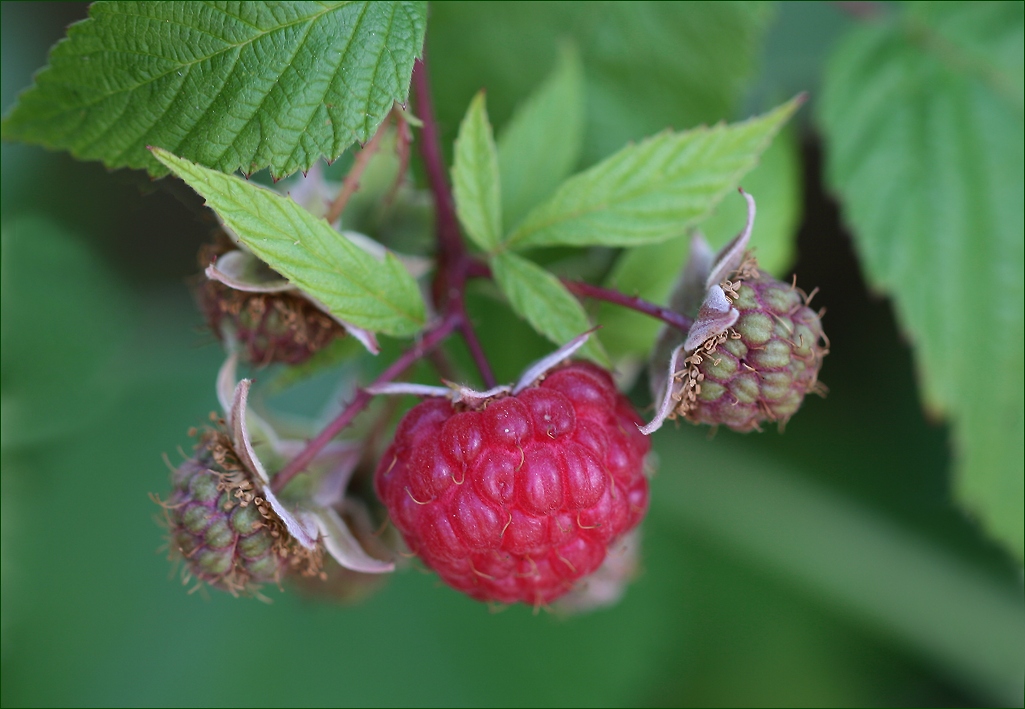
518	499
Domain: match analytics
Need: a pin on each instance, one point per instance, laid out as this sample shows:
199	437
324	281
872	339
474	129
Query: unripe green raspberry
760	368
753	350
224	532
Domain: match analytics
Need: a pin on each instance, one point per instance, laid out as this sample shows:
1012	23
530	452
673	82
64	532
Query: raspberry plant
527	512
289	284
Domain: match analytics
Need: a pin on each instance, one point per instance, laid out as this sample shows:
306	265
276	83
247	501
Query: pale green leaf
926	145
356	287
539	298
650	271
776	184
541	144
228	85
651	191
475	180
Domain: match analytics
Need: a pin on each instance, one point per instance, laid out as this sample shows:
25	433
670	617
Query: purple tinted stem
430	340
453	261
669	317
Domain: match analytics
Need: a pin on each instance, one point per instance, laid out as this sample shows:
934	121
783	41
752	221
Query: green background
826	566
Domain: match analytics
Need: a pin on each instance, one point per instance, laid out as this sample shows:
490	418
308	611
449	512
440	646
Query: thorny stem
669	317
351	182
429	341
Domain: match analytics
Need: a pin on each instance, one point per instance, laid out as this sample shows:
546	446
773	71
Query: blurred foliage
925	124
826	566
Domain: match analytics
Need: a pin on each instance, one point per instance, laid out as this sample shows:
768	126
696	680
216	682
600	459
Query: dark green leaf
380	296
541	144
923	116
228	85
539	298
475	179
652	191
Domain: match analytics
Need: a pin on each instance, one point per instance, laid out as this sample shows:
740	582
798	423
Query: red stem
479	269
453	260
429	341
451	252
669	317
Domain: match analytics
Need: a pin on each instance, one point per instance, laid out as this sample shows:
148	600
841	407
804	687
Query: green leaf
541	144
475	181
539	298
652	191
651	271
776	185
228	85
648	271
355	286
924	121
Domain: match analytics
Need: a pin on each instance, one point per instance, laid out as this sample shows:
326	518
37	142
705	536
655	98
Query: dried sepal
240	270
343	546
302	524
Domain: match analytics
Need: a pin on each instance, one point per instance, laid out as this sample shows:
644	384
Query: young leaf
379	295
652	191
541	145
776	184
650	271
923	114
539	298
228	85
475	181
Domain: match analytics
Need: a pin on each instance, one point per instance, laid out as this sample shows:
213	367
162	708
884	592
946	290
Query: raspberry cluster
518	498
